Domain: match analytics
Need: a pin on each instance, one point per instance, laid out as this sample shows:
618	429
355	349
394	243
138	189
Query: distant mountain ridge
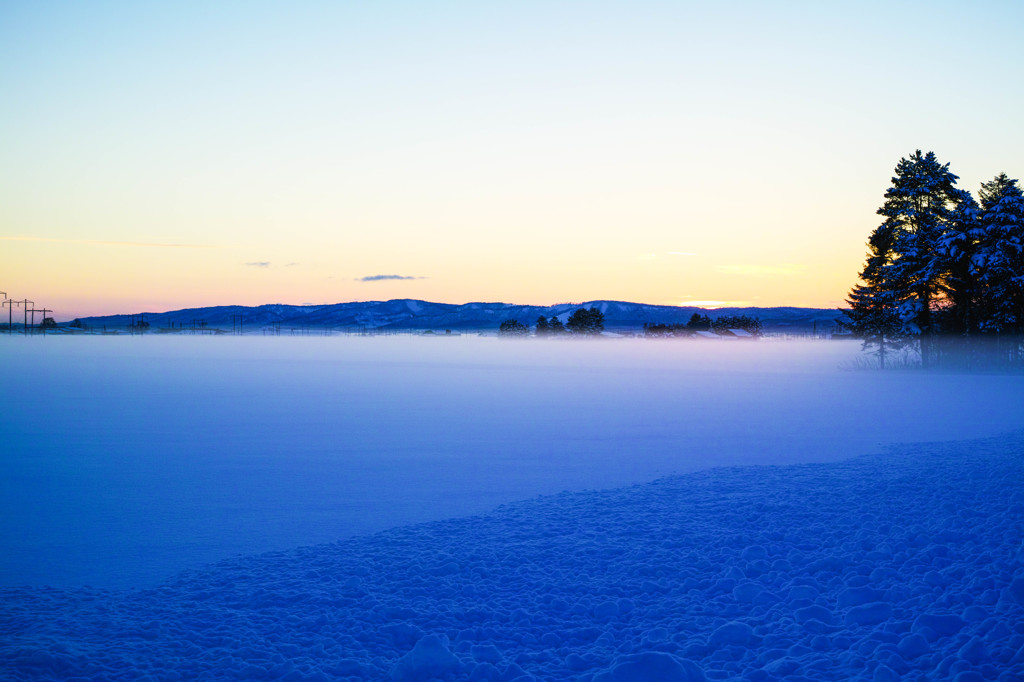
411	314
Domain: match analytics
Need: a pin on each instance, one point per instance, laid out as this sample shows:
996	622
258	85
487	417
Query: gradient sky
156	156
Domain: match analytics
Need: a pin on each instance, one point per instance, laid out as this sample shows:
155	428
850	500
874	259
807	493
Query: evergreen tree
1001	254
872	318
555	326
960	287
905	273
752	325
543	329
586	322
513	328
699	322
657	330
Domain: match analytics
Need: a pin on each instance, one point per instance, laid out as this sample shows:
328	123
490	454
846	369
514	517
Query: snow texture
904	565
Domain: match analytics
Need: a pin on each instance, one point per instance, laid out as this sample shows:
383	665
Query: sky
157	156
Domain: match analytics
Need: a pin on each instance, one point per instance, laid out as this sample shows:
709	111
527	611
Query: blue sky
158	156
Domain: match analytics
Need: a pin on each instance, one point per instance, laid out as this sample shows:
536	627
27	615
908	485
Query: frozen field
900	566
130	460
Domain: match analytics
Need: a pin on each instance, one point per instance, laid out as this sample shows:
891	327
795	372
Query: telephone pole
10	313
24	324
41	310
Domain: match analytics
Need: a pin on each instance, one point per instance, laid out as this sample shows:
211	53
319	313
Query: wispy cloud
761	270
381	278
259	264
101	242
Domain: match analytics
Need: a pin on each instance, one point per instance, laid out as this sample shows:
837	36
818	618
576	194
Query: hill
412	315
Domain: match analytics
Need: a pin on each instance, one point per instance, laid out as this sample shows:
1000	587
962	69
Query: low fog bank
129	459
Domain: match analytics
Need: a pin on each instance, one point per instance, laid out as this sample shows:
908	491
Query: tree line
582	322
944	271
704	323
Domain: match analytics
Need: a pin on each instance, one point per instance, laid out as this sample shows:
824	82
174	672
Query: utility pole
42	310
38	310
10	313
24	324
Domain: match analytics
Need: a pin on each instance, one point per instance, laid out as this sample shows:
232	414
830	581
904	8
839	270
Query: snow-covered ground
902	566
130	460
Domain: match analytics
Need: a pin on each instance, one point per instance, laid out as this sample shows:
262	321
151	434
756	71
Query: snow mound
901	566
429	658
652	666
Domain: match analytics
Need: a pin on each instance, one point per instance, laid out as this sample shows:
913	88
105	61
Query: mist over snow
129	459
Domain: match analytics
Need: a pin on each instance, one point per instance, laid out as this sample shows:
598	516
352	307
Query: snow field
905	565
127	460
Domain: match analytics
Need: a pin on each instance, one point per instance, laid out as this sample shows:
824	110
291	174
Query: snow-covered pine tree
1001	254
872	315
960	287
874	320
905	269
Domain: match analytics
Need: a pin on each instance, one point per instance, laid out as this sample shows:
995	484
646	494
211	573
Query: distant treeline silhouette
590	322
703	323
582	322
